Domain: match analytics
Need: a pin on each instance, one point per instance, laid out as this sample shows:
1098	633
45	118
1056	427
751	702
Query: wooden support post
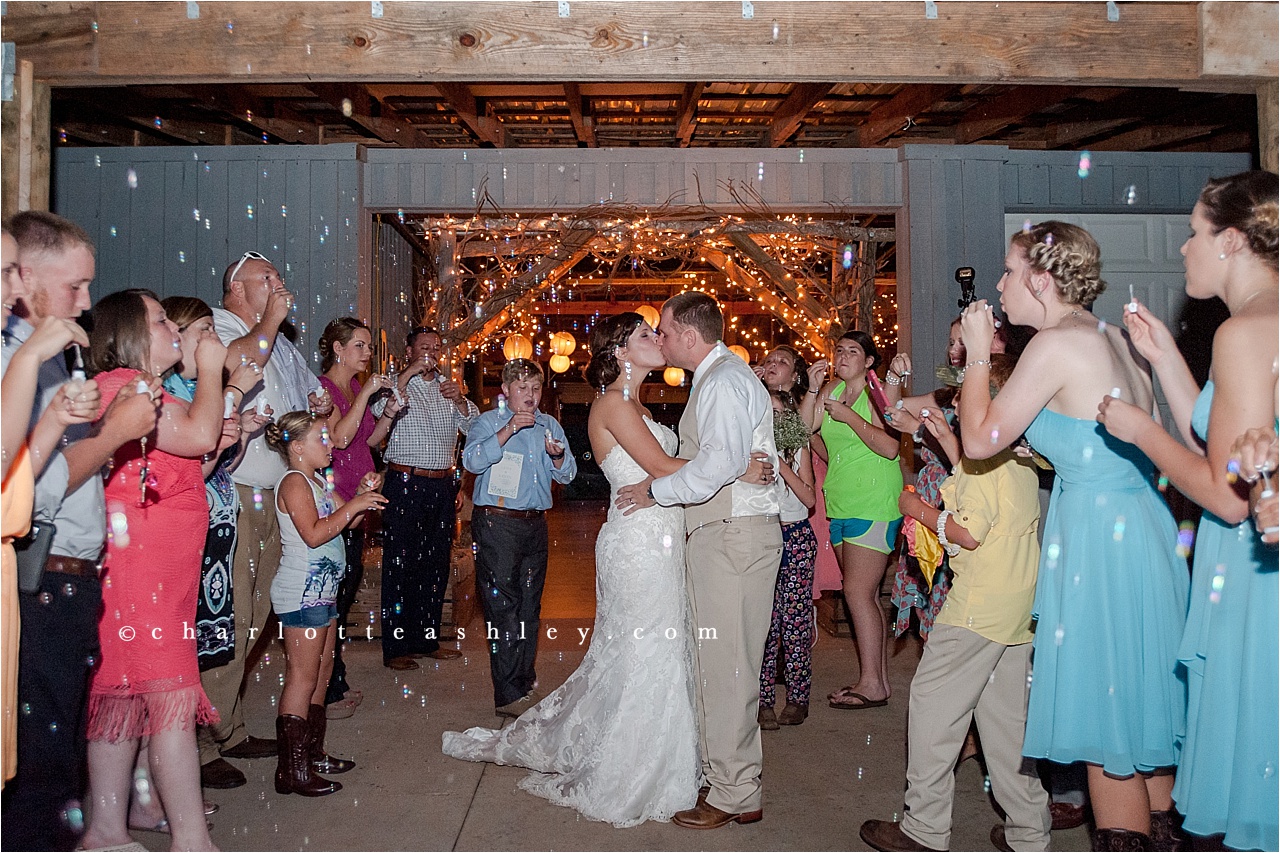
1268	133
26	143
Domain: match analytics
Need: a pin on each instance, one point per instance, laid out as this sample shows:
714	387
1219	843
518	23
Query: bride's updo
608	335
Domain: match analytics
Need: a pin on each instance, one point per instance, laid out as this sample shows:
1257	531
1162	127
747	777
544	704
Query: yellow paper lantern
650	315
559	363
517	346
563	343
741	352
673	376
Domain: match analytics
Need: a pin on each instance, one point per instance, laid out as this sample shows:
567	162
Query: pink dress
826	570
356	460
148	679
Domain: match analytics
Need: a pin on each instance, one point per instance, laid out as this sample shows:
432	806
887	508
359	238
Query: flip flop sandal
863	702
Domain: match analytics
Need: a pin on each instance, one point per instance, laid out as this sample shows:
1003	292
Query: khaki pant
733	568
254	568
963	676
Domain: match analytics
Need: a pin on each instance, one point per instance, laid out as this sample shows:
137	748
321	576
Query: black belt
71	566
433	473
512	513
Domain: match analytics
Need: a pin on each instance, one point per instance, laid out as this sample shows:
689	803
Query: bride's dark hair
608	335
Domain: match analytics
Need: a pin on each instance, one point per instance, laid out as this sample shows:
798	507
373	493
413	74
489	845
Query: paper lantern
741	352
517	346
650	315
673	376
559	363
563	343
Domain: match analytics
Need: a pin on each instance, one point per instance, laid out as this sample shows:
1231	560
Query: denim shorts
310	617
875	535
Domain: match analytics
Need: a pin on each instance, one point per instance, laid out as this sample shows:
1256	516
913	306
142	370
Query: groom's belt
739	519
511	513
433	473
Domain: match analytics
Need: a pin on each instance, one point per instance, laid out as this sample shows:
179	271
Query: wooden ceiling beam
789	116
1153	137
995	114
889	118
1156	43
463	102
243	110
389	126
793	317
686	113
583	123
781	278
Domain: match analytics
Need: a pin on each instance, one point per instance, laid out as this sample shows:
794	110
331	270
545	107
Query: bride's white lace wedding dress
618	741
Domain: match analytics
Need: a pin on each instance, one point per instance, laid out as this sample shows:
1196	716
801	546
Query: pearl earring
626	389
1222	256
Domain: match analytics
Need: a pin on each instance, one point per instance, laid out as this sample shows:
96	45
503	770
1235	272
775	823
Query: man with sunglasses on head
421	491
255	305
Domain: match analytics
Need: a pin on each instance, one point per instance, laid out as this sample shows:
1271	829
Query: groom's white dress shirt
735	418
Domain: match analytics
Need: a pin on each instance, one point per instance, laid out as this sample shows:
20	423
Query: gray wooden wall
312	209
173	219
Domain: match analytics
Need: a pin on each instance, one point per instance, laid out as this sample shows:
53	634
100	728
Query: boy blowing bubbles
516	452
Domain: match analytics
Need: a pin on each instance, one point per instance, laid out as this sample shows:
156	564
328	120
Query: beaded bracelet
941	526
891	378
980	362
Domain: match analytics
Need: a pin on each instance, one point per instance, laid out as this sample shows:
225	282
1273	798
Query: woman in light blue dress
1111	597
1227	781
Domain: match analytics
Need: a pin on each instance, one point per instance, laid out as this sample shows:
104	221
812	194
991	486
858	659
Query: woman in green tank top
863	482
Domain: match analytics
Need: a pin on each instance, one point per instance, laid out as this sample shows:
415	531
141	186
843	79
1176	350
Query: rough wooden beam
251	113
1240	40
1268	95
789	116
1157	43
460	99
1153	137
390	126
994	115
888	118
26	143
583	124
832	228
685	112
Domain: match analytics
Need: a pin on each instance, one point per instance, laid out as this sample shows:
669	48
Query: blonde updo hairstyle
287	429
1247	203
1069	254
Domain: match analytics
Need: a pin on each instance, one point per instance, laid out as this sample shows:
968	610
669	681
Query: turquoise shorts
875	535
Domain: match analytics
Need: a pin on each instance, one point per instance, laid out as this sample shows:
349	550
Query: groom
732	553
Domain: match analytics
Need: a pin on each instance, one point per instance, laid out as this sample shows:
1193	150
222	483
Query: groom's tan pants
733	567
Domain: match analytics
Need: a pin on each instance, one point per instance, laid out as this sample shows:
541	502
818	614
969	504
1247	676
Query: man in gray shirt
59	639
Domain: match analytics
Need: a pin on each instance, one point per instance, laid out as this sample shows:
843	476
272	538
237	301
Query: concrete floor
822	779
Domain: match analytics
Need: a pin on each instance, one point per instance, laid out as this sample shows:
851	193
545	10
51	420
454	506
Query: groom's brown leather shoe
706	816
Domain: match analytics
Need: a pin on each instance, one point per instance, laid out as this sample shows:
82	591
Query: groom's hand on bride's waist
634	497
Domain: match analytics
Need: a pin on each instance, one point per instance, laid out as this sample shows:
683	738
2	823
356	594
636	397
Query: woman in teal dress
1112	592
1227	781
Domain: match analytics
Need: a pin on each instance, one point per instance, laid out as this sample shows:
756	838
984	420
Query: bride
618	741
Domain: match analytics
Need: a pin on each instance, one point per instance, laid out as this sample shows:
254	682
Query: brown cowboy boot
293	769
320	761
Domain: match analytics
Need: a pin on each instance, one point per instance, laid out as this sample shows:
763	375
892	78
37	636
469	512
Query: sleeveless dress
148	678
307	577
1227	777
1111	600
17	498
618	741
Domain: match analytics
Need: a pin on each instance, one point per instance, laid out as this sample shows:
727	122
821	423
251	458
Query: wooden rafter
803	98
889	118
356	102
584	125
839	229
463	102
686	111
998	113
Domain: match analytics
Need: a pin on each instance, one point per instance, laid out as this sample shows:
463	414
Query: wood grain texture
1033	42
1240	40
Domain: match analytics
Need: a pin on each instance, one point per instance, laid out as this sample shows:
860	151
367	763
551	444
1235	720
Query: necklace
1249	298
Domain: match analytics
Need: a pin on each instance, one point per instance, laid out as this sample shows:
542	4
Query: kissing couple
653	726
